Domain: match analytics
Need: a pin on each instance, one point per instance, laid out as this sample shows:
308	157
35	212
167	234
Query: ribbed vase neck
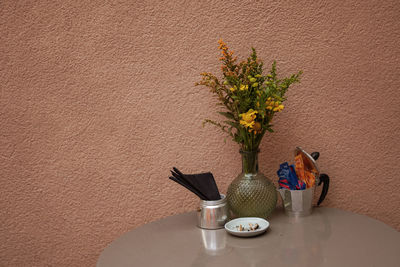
249	161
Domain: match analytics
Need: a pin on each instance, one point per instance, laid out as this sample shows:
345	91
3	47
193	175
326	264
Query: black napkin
204	183
178	179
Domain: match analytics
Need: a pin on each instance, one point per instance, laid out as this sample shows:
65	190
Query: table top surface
328	237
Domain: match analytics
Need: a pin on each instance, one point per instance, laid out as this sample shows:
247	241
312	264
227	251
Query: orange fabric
304	175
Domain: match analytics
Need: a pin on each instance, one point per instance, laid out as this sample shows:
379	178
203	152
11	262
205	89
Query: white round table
328	237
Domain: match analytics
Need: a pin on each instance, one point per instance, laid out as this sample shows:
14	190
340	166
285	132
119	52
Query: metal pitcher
298	203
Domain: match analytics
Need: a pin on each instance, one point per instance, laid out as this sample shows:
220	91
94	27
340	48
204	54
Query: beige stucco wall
98	103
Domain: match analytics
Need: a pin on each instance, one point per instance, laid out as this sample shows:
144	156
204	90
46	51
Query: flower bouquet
251	99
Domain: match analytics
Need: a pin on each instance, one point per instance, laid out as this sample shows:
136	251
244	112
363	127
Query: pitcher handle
323	178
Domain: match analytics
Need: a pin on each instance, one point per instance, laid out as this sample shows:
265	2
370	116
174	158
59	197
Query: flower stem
249	161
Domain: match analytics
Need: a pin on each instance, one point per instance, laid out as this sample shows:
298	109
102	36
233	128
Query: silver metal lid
309	163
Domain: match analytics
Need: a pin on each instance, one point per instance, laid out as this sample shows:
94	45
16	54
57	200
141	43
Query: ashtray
247	226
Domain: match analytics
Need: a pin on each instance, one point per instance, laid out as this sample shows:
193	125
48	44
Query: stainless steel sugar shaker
212	214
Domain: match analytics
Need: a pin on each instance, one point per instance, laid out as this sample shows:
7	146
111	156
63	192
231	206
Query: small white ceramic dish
232	226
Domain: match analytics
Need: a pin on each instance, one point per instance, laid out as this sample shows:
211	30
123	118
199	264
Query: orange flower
222	45
257	127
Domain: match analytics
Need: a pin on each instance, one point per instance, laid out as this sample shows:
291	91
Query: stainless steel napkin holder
212	214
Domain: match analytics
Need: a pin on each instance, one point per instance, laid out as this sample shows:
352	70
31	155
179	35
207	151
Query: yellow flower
273	105
233	89
243	87
248	118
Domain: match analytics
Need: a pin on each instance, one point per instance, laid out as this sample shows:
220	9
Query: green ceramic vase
251	194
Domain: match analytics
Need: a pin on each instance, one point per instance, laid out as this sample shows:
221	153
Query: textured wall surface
98	102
